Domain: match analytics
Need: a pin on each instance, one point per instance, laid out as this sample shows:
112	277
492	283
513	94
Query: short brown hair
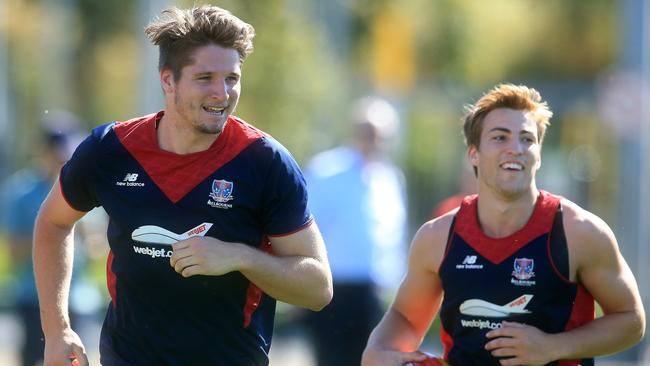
518	97
180	31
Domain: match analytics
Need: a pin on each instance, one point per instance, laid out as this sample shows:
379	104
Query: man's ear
167	81
472	155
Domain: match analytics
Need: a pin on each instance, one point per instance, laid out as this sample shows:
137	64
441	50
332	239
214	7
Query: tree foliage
306	67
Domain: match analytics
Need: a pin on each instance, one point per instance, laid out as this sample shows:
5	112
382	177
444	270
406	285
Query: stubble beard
209	129
507	189
201	127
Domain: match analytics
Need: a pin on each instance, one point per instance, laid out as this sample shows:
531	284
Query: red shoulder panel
176	175
498	249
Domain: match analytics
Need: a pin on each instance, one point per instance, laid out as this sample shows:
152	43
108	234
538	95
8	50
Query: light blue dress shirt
360	209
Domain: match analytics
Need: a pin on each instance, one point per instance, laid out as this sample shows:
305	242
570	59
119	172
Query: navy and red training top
245	187
520	278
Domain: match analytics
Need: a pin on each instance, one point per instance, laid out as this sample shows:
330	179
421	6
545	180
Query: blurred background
589	59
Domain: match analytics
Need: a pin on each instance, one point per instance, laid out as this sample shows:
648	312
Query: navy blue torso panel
521	278
244	188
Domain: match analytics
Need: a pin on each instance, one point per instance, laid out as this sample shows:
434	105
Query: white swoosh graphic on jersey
159	235
478	307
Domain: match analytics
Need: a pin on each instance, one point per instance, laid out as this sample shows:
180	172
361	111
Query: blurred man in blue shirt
22	195
358	197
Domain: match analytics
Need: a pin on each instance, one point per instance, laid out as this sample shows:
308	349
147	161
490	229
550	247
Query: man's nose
516	146
219	90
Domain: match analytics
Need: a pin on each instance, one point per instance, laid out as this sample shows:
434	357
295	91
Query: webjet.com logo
153	252
481	324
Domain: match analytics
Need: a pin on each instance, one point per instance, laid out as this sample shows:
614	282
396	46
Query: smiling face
509	152
206	92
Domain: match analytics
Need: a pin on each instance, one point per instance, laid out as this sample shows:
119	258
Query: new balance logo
470	259
130	180
469	263
130	177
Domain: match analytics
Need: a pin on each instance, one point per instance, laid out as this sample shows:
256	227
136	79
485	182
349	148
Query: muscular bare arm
398	335
53	254
602	270
297	272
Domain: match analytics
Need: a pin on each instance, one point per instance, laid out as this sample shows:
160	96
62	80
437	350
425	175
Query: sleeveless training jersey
520	278
244	188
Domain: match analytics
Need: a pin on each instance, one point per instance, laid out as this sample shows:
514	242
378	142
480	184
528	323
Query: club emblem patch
523	268
221	191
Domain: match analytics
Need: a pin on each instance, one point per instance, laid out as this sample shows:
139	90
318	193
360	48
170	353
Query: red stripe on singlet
254	293
447	342
583	312
111	279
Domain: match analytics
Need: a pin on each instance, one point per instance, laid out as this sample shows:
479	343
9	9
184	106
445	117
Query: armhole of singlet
449	235
448	244
558	248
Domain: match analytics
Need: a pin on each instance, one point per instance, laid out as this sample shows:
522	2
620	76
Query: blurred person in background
515	271
22	195
209	221
466	186
358	197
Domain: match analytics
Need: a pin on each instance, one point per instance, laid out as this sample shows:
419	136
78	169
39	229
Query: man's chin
211	128
513	189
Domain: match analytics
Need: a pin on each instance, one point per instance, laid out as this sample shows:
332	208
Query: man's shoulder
587	234
246	128
441	224
126	128
336	153
332	162
578	218
249	135
22	184
428	247
258	147
436	231
21	177
95	141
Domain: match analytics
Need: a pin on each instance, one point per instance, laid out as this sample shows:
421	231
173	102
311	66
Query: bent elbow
640	325
322	300
636	328
641	334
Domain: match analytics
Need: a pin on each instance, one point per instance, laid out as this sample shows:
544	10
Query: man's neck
501	216
181	139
